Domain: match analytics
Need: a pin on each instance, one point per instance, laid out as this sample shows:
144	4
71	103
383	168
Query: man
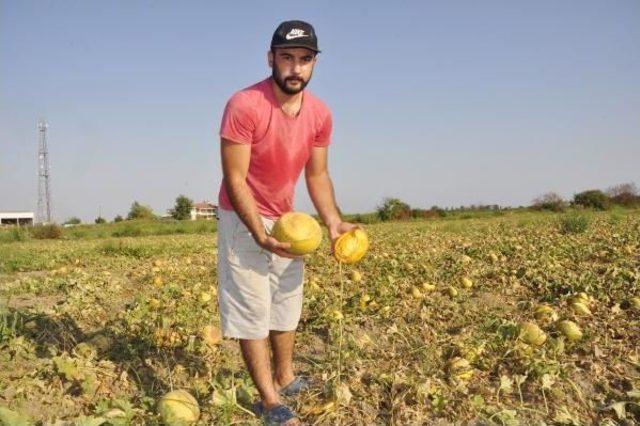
270	132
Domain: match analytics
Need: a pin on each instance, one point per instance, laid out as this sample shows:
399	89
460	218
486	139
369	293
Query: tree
593	198
438	211
117	219
100	220
138	211
393	209
182	209
625	194
73	221
549	201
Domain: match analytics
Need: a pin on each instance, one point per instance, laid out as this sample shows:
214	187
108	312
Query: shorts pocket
246	253
243	240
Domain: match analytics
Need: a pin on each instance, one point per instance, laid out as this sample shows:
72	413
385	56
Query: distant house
204	210
16	218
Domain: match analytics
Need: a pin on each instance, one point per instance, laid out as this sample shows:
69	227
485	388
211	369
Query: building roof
204	205
16	215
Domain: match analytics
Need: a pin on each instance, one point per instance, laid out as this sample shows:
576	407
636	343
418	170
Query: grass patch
14	234
121	248
127	231
133	228
574	224
139	228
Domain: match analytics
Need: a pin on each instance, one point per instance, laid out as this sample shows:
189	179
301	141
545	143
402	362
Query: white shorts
258	290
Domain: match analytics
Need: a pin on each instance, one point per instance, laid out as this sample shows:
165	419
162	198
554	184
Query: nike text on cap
295	34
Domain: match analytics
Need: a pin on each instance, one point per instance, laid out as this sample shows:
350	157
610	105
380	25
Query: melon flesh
351	246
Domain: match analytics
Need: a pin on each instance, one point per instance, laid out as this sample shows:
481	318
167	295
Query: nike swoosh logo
292	36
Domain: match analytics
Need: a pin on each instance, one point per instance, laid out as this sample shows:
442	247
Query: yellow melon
545	314
178	407
211	335
460	368
531	334
570	329
351	246
300	230
428	287
355	276
580	308
466	282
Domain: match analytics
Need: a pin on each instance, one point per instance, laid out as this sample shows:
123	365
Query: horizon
444	104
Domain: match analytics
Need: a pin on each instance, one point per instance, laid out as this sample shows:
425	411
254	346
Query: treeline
125	228
140	221
139	211
624	195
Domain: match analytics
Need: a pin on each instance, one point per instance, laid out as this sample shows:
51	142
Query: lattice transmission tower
44	185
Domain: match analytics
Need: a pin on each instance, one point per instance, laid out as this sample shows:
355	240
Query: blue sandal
258	408
278	415
297	385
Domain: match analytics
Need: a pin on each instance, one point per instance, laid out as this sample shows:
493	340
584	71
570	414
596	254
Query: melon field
522	318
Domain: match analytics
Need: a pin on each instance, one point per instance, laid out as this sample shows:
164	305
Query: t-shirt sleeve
323	136
238	121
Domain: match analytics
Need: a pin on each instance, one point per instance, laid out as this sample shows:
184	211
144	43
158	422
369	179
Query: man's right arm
235	167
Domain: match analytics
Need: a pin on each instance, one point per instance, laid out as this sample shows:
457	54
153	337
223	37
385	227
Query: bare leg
256	357
282	346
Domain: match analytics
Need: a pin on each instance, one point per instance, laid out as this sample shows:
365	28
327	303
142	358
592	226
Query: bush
549	201
393	209
73	221
625	194
47	232
574	224
626	200
138	211
593	198
438	211
100	220
424	214
117	219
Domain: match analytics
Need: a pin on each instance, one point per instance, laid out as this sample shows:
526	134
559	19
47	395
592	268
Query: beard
282	82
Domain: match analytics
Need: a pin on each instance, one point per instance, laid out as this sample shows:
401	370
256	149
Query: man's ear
270	58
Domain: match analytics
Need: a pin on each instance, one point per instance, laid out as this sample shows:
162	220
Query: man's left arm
322	195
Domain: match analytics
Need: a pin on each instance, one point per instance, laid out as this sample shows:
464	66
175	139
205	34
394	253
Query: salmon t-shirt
280	144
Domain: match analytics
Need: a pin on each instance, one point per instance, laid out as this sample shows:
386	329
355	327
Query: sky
442	103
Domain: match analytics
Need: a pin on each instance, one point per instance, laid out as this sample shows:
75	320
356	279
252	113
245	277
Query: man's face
292	68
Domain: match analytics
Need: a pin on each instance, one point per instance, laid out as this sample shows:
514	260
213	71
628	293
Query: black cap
295	34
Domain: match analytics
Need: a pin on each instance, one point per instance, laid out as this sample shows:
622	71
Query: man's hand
337	229
269	243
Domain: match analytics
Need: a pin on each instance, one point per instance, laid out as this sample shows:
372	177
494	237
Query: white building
16	218
203	210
